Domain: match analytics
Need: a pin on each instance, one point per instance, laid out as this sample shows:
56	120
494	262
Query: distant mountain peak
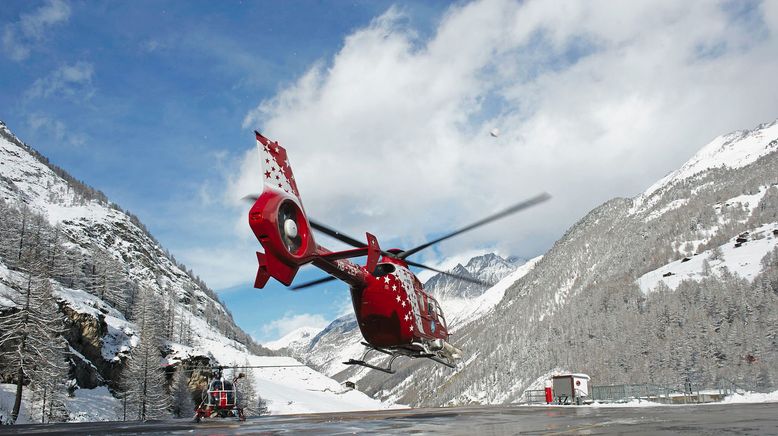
733	150
489	268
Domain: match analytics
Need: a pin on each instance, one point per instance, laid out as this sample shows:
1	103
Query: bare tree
181	395
143	377
29	333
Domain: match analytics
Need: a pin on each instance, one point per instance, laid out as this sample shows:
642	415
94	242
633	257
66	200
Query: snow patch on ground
7	397
89	405
745	261
86	405
751	397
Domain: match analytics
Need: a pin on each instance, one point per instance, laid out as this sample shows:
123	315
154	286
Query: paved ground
741	419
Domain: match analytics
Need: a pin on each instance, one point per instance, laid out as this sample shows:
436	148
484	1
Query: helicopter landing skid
434	356
362	362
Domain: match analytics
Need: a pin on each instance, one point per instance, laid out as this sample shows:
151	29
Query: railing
686	394
535	396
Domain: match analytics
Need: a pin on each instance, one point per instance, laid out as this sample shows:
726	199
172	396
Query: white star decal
394	287
398	300
407	316
386	279
411	328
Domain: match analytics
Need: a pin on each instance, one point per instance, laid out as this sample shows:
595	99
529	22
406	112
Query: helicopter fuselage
390	305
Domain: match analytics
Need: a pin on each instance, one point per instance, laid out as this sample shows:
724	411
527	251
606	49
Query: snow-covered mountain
98	240
489	268
678	283
461	301
296	339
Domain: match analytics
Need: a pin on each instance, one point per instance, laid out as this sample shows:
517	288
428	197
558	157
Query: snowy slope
460	311
85	405
743	260
733	150
88	219
297	338
287	390
334	345
25	179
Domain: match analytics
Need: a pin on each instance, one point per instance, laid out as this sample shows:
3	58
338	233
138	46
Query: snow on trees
29	335
143	378
180	395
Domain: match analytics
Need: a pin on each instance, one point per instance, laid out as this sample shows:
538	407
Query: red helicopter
221	398
394	314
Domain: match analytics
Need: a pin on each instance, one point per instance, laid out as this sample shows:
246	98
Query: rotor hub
290	228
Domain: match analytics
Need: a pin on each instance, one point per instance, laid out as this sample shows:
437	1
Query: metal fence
687	394
535	396
618	393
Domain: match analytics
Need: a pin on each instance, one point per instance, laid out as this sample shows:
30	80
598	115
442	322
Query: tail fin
276	170
278	219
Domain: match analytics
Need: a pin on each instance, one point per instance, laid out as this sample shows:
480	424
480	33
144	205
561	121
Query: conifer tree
144	379
181	396
49	384
29	334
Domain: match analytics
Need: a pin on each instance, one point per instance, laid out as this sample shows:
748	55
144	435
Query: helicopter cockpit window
383	269
441	318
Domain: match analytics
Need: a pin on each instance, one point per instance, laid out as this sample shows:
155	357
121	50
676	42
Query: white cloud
223	267
593	100
21	36
288	323
72	81
58	129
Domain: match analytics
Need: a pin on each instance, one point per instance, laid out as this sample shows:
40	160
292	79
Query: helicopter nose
290	228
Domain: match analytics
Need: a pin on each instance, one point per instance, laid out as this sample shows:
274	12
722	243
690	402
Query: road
741	419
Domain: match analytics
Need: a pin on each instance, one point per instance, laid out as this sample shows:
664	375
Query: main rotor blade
511	210
220	367
250	197
446	273
336	234
312	283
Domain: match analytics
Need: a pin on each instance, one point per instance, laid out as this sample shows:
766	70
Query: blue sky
384	108
145	101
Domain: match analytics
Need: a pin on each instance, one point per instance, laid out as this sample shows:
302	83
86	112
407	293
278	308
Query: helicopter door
427	315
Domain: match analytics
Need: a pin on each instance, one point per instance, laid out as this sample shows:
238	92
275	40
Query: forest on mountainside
580	308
